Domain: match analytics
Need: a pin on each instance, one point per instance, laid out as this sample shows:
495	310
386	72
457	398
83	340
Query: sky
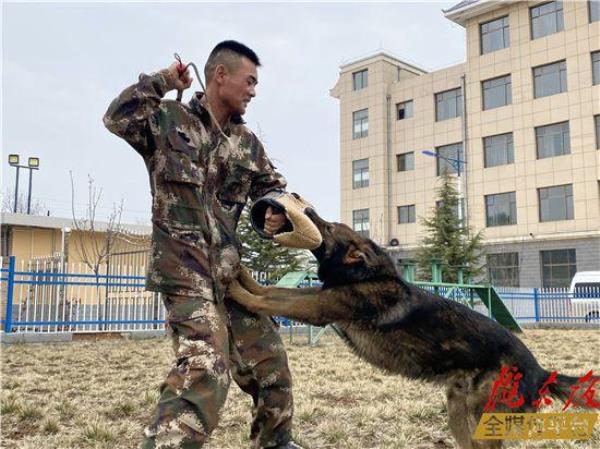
63	63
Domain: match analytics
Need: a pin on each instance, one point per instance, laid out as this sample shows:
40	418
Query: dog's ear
359	254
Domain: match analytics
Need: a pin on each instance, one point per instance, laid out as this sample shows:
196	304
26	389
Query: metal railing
56	297
51	296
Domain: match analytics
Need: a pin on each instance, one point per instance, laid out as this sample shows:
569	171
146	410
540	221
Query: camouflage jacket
199	181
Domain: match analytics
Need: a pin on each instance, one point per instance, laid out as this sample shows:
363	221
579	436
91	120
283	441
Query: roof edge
384	55
42	221
462	14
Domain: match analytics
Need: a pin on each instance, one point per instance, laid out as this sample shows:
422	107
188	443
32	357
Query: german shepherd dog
404	329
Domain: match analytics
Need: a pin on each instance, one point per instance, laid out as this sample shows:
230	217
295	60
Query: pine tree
265	256
455	245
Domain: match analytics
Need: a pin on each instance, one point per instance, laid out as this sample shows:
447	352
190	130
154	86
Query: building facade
520	122
35	237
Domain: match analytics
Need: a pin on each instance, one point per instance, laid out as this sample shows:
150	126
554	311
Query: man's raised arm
132	115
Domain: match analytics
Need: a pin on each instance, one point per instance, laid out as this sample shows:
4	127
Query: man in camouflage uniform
203	163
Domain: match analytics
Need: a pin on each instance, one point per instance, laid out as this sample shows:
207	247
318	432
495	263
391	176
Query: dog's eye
330	228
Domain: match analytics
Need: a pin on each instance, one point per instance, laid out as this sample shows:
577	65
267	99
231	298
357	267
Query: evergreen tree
265	256
447	240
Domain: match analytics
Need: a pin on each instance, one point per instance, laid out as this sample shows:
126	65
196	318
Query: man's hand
273	221
176	80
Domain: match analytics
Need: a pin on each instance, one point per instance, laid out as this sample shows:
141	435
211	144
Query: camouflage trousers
212	340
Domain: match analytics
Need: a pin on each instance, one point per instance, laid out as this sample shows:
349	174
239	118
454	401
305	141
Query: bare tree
94	251
93	244
8	204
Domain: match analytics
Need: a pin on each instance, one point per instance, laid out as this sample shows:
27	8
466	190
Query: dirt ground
101	394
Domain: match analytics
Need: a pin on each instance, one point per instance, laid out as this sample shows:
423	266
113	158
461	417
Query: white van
585	295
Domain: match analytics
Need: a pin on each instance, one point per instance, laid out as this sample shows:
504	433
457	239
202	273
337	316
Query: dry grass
101	394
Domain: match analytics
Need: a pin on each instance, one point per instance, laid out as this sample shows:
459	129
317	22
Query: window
494	35
360	121
404	110
406	214
546	19
360	79
550	79
594	9
360	173
500	209
503	269
498	150
448	104
360	222
558	267
597	120
596	67
556	203
453	152
496	92
552	140
406	161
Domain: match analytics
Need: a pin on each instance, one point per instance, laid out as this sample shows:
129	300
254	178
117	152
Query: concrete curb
65	337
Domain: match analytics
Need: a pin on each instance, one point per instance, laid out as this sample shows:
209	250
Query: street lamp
33	163
456	164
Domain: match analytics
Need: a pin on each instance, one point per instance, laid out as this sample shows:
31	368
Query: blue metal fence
45	297
51	297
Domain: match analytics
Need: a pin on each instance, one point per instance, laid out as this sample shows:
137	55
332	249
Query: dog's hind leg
458	417
475	404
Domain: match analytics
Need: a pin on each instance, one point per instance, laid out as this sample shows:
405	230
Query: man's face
239	86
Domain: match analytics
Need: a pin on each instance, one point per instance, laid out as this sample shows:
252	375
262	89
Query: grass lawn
101	394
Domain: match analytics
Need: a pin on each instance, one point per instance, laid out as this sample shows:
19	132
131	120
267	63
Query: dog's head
345	256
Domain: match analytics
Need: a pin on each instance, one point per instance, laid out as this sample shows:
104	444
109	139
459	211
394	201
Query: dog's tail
569	388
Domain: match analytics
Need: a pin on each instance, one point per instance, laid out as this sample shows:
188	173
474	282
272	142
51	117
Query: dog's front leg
247	282
317	307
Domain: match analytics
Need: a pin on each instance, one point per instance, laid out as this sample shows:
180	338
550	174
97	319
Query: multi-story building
521	116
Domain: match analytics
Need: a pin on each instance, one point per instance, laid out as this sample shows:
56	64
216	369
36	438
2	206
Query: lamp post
456	164
33	163
13	160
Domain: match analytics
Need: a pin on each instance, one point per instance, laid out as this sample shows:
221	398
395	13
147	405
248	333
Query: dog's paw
239	294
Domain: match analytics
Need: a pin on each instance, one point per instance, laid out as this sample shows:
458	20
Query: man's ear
219	73
355	255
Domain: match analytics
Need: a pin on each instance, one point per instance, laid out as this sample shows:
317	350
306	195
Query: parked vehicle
585	294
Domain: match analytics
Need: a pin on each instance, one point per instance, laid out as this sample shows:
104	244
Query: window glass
546	19
360	221
594	8
360	79
556	203
360	173
406	214
596	67
448	104
494	35
503	269
360	124
501	209
550	79
406	161
552	140
496	92
404	110
448	158
558	267
498	150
